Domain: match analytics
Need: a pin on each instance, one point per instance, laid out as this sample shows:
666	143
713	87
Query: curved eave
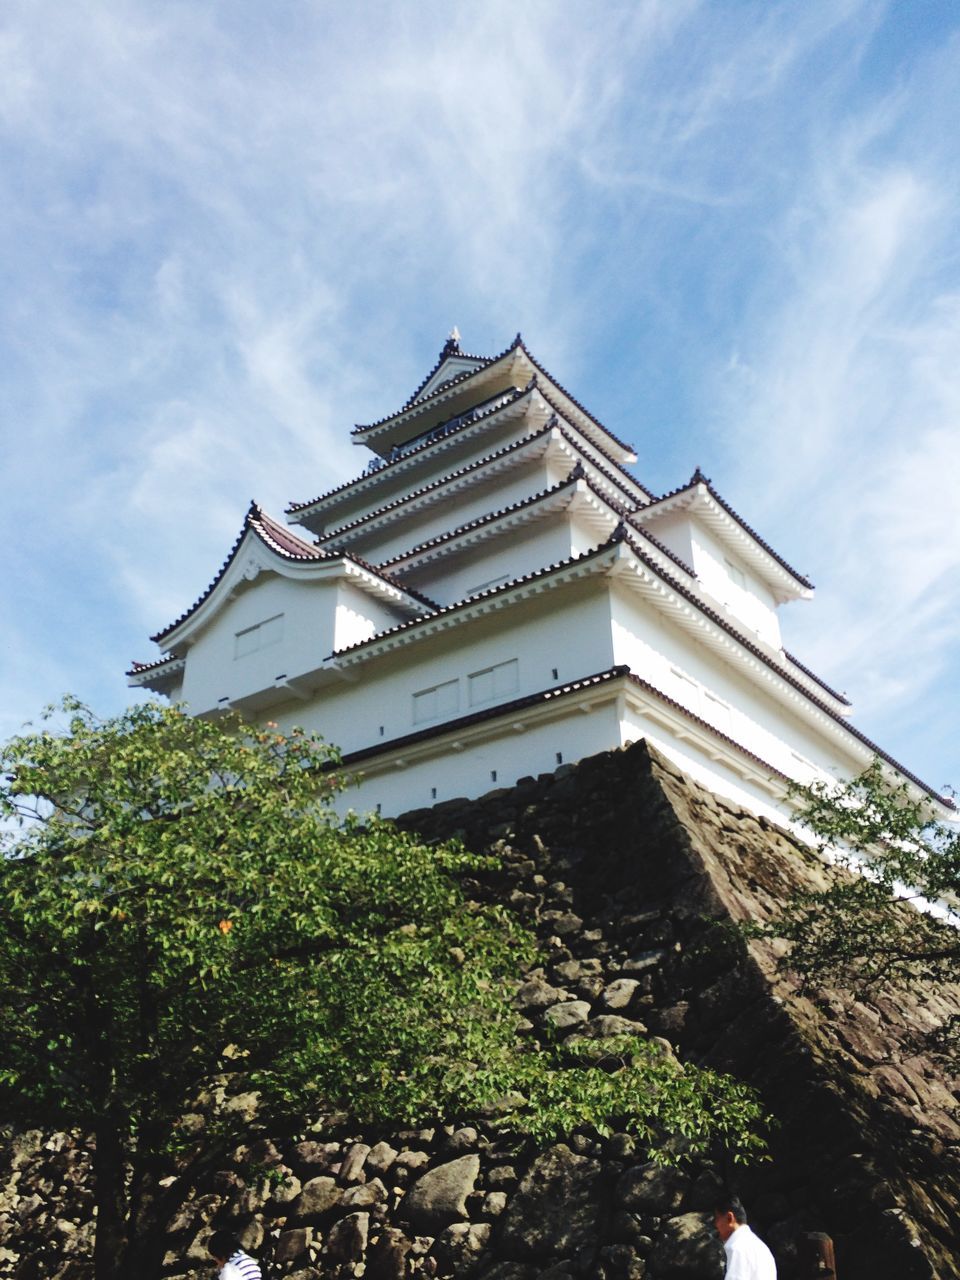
451	482
574	493
584	695
702	501
159	676
397	427
516	362
622	556
257	550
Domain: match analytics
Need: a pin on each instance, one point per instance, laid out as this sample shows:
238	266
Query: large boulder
439	1197
650	1188
317	1197
556	1208
687	1248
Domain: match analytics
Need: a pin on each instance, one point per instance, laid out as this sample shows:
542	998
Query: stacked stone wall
630	874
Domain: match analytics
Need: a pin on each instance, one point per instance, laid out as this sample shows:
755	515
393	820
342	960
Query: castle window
438	700
493	682
260	636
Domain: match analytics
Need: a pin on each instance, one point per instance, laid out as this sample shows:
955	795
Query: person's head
728	1214
222	1245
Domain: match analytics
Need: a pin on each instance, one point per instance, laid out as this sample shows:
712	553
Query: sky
230	231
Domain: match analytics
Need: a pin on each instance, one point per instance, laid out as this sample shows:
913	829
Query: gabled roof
517	350
699	495
452	360
286	546
625	481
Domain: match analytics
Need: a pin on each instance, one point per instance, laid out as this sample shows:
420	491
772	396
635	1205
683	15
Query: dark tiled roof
840	697
290	547
489	413
138	668
599	448
541	698
445	610
621	534
488	713
436	484
786	675
699	478
454	382
573	400
450	348
492	516
517	344
254	519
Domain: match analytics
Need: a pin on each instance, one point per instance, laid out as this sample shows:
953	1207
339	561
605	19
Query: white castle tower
497	595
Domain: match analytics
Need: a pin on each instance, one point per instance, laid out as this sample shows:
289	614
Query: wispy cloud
232	231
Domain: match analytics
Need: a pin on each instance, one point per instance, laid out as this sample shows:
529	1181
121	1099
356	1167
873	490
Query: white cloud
233	231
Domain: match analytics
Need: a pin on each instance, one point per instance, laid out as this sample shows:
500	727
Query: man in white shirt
748	1258
234	1264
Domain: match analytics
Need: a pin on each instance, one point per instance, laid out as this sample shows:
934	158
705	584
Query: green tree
894	859
178	901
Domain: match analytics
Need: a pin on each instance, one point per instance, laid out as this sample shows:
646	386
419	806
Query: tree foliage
890	911
182	915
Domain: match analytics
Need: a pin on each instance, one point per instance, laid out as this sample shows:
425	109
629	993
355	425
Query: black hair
725	1204
223	1245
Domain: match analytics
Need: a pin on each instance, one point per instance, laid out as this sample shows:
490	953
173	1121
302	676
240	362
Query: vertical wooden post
815	1257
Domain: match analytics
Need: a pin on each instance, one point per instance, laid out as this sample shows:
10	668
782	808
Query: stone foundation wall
628	872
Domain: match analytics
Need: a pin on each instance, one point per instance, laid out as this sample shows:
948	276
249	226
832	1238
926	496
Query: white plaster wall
447	512
753	603
660	651
313	613
396	481
565	632
360	615
674	529
509	554
511	755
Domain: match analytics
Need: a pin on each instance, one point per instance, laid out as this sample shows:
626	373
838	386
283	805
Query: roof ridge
461	377
450	348
255	521
445	479
540	495
698	478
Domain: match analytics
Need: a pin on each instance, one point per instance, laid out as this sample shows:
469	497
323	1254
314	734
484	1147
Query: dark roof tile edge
790	679
541	698
436	484
573	400
361	428
451	350
621	535
259	523
470	601
541	496
699	478
296	507
840	697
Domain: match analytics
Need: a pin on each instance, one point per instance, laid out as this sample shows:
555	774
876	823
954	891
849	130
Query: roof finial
699	478
452	345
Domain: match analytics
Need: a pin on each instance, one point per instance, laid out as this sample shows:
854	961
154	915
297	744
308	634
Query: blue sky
230	231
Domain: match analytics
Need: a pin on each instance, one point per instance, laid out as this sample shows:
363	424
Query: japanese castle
497	595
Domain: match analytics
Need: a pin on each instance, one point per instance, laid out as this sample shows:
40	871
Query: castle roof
287	547
516	362
699	497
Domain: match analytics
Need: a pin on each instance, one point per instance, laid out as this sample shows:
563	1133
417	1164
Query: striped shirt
240	1267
